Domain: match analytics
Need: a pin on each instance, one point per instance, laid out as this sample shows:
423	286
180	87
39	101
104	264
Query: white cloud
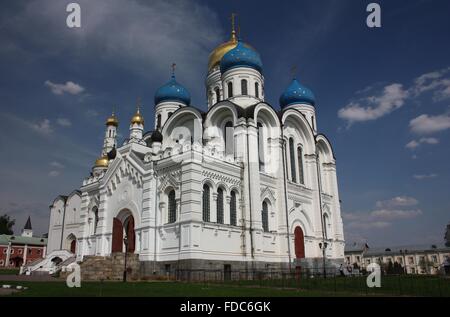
416	143
53	173
425	124
42	127
412	145
56	164
425	176
64	122
91	113
369	225
394	96
373	107
60	89
399	201
144	37
434	82
386	212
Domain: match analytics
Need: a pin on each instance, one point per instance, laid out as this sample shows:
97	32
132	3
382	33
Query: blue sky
383	95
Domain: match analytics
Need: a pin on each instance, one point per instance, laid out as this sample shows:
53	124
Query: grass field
391	286
9	271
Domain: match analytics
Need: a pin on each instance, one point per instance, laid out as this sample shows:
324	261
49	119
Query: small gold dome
101	162
112	120
137	118
216	56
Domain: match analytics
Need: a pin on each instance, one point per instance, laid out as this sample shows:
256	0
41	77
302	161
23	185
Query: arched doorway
123	226
299	239
71	243
73	246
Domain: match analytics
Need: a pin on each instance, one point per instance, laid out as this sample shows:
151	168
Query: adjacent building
414	259
16	251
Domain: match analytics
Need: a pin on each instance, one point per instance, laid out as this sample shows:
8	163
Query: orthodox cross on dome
233	26
293	71
174	66
138	105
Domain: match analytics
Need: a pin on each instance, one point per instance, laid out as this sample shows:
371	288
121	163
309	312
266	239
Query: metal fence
330	282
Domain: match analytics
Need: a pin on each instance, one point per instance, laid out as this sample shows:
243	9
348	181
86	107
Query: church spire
137	125
27	231
233	27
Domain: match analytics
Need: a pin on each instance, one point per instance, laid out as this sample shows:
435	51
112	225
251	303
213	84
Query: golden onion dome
137	118
112	120
101	162
216	56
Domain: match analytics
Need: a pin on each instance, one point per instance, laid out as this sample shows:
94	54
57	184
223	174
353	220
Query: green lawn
403	285
157	289
9	271
391	286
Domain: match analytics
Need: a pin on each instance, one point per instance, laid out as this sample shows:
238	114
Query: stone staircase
95	268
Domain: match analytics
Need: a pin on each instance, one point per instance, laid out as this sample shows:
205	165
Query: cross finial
293	71
233	26
173	69
138	105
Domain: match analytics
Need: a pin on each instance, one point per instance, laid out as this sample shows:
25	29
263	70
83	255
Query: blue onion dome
173	91
241	56
297	93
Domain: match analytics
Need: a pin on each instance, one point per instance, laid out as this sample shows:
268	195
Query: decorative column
8	254
213	208
25	253
226	210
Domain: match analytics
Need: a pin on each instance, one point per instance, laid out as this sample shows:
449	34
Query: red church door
299	243
73	246
130	235
117	236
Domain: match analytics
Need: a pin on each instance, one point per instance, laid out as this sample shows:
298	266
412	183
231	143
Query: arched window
325	226
300	165
205	210
313	123
257	90
158	124
265	216
260	146
292	158
95	210
217	91
172	207
244	89
228	133
109	133
230	89
220	205
233	214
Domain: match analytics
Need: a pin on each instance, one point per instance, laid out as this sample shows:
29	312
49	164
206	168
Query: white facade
239	152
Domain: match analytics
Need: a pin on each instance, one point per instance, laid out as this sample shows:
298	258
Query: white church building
241	185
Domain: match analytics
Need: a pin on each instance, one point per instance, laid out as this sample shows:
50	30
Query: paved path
7	291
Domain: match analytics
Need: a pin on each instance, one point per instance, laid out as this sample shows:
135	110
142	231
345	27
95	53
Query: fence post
335	283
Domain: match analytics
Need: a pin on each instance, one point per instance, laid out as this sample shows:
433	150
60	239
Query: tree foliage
6	224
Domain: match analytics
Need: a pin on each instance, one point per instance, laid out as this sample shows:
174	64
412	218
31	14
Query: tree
6	225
